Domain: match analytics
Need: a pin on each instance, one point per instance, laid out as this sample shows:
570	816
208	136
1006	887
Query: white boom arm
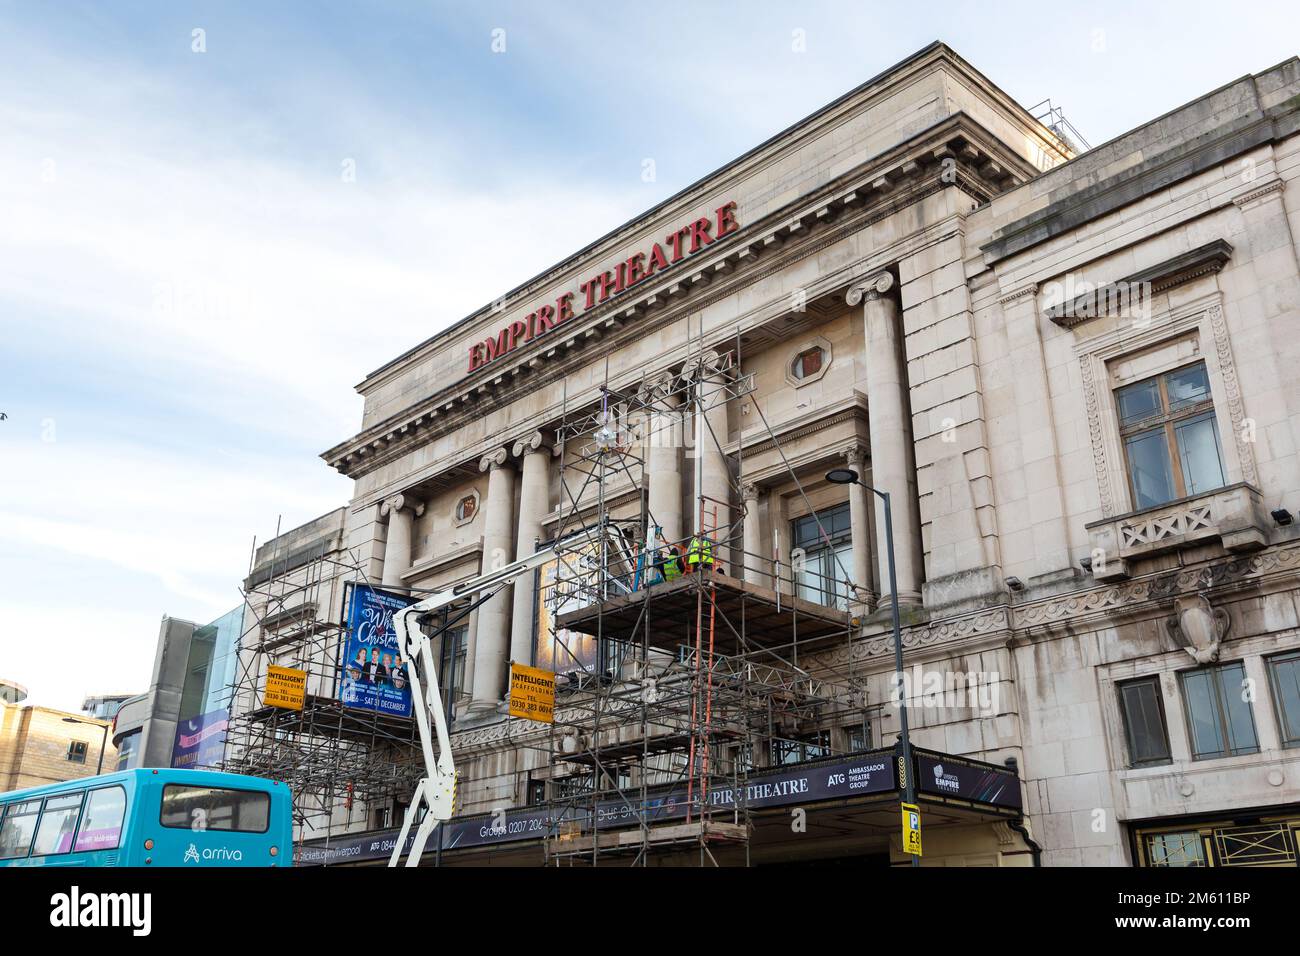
437	789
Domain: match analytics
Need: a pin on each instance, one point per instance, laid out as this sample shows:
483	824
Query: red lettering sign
685	242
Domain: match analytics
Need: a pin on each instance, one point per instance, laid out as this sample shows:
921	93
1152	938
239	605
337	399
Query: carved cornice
756	444
1149	597
1204	260
1245	199
1029	290
803	228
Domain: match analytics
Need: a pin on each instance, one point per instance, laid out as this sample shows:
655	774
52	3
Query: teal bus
149	817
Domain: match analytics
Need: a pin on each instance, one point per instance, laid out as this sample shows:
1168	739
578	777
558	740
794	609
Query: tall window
1218	714
1170	436
1144	722
1284	675
451	666
826	558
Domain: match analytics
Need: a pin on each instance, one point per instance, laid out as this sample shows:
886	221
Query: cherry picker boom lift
436	790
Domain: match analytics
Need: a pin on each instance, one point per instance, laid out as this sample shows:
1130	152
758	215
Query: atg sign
374	671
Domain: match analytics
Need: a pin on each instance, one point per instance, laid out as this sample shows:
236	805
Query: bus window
101	827
58	823
212	808
17	830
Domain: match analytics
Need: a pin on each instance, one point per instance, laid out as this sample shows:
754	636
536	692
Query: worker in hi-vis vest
670	562
699	554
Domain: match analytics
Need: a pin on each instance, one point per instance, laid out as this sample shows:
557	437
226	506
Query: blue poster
374	671
201	741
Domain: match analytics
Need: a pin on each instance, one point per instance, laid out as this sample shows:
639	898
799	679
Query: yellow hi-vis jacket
669	566
700	551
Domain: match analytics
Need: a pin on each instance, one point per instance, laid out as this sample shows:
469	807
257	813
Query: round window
466	507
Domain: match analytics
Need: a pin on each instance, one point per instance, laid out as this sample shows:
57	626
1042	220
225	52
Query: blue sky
189	288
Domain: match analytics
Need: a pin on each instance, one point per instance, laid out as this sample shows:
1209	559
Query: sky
217	218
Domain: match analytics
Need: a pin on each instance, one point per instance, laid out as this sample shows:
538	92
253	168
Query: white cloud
134	240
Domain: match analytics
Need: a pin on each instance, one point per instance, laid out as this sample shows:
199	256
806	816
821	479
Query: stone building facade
41	745
1074	374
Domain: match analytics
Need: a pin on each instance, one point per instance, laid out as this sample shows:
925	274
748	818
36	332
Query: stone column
492	642
711	433
663	443
534	504
757	564
892	456
781	541
401	511
860	523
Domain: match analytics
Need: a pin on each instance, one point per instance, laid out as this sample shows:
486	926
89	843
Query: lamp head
842	476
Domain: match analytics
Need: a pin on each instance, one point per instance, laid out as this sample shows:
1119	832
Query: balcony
1232	515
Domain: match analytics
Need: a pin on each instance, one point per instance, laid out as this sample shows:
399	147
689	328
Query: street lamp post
847	476
103	744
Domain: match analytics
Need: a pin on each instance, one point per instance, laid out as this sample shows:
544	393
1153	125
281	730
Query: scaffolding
670	690
693	679
334	758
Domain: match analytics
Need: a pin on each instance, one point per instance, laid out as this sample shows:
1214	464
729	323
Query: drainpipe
1018	824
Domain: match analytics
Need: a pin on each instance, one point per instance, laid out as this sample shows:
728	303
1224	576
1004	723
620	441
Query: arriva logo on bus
208	854
680	244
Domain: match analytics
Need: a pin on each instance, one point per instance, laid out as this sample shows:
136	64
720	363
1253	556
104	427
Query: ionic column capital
398	502
870	289
493	459
533	442
711	362
657	389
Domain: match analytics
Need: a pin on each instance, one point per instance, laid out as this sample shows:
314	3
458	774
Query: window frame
823	549
31	839
121	825
1133	762
1279	714
76	826
1167	421
78	756
1216	673
162	802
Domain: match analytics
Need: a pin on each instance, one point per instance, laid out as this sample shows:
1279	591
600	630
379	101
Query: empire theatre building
1073	371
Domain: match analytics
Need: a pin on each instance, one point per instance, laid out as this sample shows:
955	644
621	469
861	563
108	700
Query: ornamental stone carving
398	502
493	459
1198	627
870	289
535	441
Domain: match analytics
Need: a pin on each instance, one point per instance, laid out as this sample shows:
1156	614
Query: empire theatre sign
677	245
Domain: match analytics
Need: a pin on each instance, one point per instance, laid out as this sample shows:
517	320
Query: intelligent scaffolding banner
374	673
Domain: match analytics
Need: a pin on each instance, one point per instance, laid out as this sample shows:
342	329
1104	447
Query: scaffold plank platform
698	831
766	619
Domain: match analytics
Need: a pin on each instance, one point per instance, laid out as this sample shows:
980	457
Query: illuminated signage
678	245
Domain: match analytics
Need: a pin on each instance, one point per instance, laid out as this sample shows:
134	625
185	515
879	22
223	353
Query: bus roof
210	778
